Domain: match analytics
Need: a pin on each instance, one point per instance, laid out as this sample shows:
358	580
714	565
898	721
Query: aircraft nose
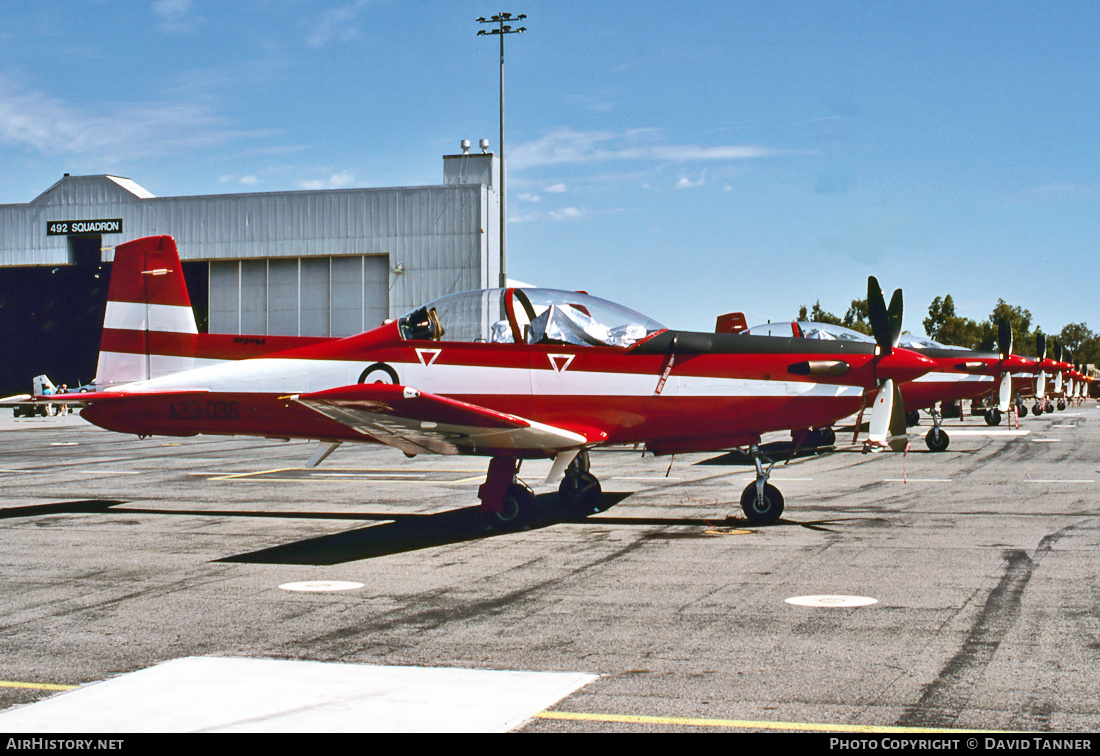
1016	363
904	365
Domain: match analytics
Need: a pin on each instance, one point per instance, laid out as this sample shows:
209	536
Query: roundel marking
380	372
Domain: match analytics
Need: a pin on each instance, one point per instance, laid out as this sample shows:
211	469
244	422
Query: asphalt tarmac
946	592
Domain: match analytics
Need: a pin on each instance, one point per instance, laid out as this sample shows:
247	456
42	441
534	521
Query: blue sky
683	159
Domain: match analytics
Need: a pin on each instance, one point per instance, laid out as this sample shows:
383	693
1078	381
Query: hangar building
305	263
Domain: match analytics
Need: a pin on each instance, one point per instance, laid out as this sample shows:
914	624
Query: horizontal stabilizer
416	422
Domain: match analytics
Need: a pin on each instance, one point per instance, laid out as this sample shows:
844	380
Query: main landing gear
509	504
504	501
760	501
580	491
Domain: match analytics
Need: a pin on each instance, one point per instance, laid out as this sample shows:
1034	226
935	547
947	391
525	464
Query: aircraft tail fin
149	327
731	322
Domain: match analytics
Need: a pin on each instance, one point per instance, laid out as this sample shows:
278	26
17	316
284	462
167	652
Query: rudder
149	328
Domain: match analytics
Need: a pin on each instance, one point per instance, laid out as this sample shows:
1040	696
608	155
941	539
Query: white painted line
64	443
642	477
960	432
917	480
321	586
1047	440
776	477
831	601
1060	481
258	695
107	472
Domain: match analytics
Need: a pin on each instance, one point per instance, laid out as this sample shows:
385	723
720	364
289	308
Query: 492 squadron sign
77	228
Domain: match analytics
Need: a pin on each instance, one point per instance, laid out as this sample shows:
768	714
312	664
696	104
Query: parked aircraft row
1002	379
522	373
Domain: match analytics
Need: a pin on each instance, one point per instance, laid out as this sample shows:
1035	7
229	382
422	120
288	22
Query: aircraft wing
416	422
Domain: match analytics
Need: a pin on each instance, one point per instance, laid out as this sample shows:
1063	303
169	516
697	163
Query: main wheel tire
993	416
936	440
580	494
762	511
515	508
1022	410
912	418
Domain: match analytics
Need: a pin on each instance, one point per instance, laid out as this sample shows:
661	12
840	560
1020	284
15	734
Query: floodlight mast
502	27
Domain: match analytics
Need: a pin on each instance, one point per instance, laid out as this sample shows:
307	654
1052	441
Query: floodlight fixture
503	25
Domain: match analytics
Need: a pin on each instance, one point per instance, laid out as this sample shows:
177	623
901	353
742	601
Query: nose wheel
762	507
936	439
760	501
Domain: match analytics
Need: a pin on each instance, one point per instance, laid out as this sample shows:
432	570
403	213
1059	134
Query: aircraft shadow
88	506
776	451
404	533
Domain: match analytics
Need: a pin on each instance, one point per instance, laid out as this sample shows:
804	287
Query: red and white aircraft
509	374
1051	381
959	373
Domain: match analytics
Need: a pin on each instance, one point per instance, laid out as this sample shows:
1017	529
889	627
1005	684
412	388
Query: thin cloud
50	126
341	180
336	25
565	214
686	183
175	16
567	146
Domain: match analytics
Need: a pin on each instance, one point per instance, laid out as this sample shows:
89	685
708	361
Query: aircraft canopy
810	330
532	316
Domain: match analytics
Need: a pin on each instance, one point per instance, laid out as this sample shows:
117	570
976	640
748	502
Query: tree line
947	327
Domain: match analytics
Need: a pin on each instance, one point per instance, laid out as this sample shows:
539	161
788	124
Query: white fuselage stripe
952	378
291	376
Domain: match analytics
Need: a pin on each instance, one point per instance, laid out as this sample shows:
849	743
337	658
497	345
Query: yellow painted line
36	686
397	476
252	474
742	723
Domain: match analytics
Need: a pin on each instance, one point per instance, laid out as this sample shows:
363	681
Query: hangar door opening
51	316
306	296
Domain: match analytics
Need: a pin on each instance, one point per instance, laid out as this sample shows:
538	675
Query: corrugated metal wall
306	263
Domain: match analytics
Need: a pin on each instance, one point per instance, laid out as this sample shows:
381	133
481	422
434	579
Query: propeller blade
888	418
899	437
1004	392
1004	338
894	313
880	413
1057	351
1041	346
878	315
